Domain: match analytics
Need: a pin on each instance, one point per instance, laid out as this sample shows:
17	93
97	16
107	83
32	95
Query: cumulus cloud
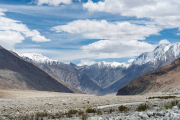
86	62
131	60
164	12
53	2
93	29
164	42
118	39
13	31
118	48
9	38
178	34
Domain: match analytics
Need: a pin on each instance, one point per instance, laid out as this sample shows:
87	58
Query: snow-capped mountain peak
39	58
161	52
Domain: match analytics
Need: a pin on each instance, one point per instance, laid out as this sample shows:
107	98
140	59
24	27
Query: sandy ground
22	102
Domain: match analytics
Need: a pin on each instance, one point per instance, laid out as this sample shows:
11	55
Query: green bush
89	110
162	97
72	111
142	107
168	106
111	110
123	108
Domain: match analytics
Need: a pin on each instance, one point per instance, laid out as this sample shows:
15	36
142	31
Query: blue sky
78	31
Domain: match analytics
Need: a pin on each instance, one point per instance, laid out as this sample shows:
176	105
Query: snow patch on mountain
38	58
161	52
103	64
111	64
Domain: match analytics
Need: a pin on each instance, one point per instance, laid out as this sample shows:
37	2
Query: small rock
145	116
167	115
175	108
150	114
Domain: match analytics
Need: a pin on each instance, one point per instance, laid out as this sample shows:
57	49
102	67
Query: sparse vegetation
142	107
111	110
42	114
89	110
173	103
178	106
72	111
99	112
84	117
155	105
123	108
80	113
162	97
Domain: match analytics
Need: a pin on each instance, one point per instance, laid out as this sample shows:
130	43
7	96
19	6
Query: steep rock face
162	55
67	72
164	79
16	73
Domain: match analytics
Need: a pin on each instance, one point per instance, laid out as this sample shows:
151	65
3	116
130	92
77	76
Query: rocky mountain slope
16	73
105	73
67	72
163	54
164	79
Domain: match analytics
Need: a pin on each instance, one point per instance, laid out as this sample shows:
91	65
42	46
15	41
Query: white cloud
12	32
131	60
53	2
9	38
178	34
117	48
119	39
93	29
164	12
164	42
86	62
2	11
111	49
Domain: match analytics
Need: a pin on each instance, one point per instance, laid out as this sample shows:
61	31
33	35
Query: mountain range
69	73
102	77
17	73
163	54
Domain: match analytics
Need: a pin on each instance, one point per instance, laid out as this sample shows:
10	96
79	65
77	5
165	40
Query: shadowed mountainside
164	79
16	73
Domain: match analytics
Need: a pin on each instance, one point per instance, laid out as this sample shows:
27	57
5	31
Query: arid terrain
15	102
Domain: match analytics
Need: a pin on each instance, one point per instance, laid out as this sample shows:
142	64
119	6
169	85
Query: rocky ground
35	105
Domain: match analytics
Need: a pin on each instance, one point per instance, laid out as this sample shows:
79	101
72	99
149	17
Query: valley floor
15	102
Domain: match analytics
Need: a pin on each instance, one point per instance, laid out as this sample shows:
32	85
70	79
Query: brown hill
164	79
16	73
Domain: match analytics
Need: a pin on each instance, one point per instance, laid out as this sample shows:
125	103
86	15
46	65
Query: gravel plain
14	103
